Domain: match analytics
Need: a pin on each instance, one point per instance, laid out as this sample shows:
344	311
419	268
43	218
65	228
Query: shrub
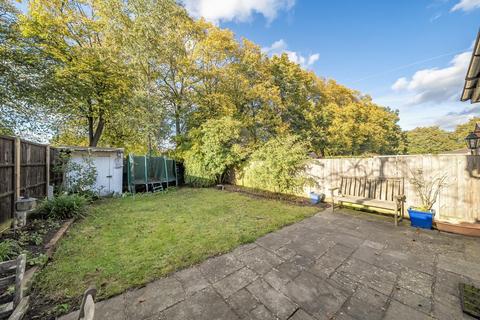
81	176
215	150
9	250
64	206
277	166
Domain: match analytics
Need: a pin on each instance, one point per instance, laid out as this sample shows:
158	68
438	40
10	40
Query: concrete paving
347	265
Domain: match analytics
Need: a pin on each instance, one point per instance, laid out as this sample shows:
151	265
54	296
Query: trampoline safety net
146	170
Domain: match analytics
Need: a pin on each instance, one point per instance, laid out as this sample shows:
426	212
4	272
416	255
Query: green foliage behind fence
277	166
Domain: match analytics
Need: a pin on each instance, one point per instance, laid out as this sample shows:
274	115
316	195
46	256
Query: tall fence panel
34	169
25	169
459	199
7	178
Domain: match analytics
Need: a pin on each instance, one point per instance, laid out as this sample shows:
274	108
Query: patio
347	265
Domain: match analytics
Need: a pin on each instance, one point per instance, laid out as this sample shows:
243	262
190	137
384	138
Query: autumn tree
429	140
462	130
94	80
25	77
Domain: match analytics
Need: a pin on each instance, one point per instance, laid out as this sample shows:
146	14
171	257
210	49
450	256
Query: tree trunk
98	132
177	124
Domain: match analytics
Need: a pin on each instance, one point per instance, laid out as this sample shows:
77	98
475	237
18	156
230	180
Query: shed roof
91	149
471	89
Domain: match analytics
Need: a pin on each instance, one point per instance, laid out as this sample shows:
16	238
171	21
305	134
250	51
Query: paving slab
467	268
331	260
398	311
279	304
242	303
260	260
413	300
316	296
192	280
347	265
366	304
217	268
416	281
234	282
203	305
154	298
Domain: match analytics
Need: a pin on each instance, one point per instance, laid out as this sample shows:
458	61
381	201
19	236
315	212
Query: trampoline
154	173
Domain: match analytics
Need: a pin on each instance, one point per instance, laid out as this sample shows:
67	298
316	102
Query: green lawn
130	241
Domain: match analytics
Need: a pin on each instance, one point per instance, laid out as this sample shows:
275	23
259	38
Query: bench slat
20	310
6	310
7	281
378	189
6	297
369	202
7	265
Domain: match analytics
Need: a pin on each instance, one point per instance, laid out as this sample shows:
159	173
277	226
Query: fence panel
459	200
25	169
33	169
7	179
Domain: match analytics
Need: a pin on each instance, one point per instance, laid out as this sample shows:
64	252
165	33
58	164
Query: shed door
104	175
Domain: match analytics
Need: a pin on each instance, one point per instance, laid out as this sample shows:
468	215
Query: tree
94	80
462	130
158	39
429	140
301	99
278	165
362	127
215	148
25	77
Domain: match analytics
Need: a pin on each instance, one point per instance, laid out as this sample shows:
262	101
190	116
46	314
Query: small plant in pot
421	216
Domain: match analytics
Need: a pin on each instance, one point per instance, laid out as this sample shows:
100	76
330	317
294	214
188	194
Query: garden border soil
49	250
274	196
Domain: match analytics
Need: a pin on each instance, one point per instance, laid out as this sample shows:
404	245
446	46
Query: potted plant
421	216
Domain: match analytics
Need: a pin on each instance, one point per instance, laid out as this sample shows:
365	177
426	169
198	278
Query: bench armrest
401	198
332	191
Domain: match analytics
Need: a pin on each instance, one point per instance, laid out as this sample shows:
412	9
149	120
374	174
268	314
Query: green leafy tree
277	166
462	130
215	148
94	80
362	127
25	78
429	140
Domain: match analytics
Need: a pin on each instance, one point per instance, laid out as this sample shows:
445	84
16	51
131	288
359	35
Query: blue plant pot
421	219
314	198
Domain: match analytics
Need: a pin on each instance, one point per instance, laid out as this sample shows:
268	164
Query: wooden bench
372	193
13	305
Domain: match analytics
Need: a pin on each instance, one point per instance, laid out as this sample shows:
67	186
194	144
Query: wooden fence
25	169
459	200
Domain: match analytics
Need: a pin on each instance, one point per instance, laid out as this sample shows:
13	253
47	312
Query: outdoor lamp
472	141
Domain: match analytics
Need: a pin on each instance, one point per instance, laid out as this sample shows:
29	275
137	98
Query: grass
130	241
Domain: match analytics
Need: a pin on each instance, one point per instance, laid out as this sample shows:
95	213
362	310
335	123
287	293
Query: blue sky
410	55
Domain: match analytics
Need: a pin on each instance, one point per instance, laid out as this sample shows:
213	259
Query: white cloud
276	47
313	58
453	118
437	84
466	5
236	10
280	46
400	84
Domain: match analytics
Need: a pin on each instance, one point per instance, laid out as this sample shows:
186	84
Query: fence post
17	167
47	169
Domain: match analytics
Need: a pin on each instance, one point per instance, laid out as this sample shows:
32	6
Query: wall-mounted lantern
473	140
